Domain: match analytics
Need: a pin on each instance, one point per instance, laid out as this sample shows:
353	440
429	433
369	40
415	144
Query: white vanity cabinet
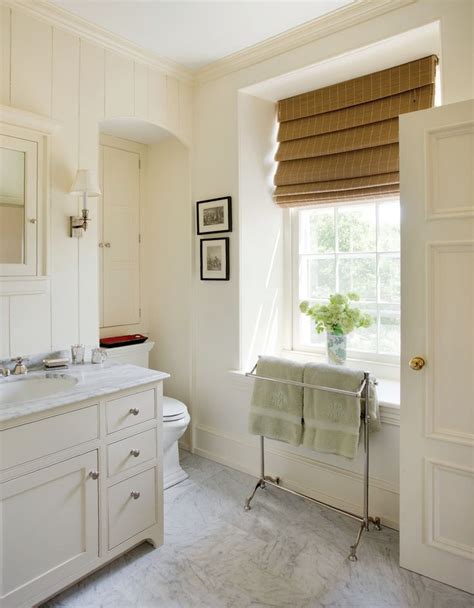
80	484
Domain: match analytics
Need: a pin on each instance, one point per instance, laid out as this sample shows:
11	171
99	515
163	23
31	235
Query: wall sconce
83	185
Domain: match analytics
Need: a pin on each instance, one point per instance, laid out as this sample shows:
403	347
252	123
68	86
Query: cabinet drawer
127	515
130	452
36	439
130	410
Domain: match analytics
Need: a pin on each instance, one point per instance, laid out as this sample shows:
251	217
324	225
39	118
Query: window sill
388	393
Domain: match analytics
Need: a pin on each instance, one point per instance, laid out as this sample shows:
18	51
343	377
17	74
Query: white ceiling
196	33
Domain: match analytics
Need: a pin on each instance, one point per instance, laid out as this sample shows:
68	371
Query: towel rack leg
262	462
263	478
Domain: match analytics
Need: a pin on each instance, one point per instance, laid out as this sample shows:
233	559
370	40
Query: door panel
121	267
49	523
437	414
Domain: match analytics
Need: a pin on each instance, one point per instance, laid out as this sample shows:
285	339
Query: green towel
332	421
276	409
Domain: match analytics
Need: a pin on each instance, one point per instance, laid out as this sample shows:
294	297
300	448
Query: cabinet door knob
135	495
94	474
134	411
33	220
101	244
417	363
107	245
135	453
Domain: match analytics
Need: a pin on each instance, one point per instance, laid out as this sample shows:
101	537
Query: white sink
19	390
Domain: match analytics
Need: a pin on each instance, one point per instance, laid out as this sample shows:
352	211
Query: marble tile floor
284	553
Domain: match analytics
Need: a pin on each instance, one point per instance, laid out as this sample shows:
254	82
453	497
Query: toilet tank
135	354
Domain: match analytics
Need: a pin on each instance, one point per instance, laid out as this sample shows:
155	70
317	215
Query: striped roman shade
341	142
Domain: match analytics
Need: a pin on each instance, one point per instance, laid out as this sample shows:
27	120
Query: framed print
215	259
214	215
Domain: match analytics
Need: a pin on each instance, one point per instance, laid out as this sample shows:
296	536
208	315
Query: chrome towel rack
365	520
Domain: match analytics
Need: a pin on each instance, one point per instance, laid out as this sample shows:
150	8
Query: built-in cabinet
119	232
78	486
25	144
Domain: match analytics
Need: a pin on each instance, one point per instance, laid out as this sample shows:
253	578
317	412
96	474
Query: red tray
117	341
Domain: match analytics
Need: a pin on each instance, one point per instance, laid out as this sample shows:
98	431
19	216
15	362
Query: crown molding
353	14
56	16
345	17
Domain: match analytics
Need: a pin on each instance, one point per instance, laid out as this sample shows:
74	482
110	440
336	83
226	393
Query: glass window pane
365	338
358	274
389	333
389	278
356	228
321	278
389	226
316	339
317	231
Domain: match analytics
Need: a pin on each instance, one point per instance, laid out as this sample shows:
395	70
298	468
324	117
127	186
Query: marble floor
285	552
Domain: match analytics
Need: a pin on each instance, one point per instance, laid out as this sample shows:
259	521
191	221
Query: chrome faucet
4	371
20	367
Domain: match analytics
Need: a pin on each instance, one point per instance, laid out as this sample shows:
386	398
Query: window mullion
377	281
336	247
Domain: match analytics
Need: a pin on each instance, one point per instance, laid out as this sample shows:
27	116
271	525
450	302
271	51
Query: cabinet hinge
139	163
139	238
140	313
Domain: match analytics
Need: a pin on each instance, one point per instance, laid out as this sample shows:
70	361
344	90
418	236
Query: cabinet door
121	266
49	527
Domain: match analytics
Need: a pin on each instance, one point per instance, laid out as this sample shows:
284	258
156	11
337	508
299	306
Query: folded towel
276	409
332	421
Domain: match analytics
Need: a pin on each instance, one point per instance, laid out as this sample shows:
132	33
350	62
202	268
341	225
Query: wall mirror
24	145
17	204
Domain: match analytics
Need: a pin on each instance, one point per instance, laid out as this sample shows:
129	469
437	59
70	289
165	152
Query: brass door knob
417	363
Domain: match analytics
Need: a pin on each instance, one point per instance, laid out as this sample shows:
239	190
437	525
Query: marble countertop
92	381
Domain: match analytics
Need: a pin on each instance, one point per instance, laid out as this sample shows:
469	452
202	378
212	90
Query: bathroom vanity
80	474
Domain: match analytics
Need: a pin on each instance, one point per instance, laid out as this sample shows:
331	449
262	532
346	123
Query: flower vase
337	349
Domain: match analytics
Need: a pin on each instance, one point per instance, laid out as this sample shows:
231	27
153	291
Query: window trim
387	365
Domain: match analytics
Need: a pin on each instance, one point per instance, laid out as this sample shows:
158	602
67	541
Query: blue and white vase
337	349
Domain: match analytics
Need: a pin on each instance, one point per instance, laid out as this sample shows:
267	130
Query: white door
437	401
120	230
49	526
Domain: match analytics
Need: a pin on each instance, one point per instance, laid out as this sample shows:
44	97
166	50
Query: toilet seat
173	409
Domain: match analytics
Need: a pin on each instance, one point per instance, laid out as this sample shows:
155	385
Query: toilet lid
173	409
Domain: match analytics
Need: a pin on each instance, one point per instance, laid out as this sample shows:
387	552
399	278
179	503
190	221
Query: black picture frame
206	273
212	205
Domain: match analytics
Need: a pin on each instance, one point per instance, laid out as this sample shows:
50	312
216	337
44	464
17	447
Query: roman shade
341	142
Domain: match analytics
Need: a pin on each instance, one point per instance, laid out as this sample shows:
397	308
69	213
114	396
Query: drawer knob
135	453
134	411
135	495
94	474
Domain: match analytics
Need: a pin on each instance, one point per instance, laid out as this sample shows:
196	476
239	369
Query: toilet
175	422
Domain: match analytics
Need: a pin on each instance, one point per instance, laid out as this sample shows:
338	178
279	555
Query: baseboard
331	484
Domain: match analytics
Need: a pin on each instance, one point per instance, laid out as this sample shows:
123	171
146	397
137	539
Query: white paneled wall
49	71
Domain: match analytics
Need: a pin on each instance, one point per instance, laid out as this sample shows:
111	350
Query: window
344	248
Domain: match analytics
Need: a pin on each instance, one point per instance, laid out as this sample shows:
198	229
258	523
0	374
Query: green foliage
339	316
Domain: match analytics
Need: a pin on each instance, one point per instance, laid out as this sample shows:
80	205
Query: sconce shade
85	184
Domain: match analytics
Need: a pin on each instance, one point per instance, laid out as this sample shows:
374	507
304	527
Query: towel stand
365	520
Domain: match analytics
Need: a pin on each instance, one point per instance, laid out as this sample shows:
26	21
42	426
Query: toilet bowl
175	422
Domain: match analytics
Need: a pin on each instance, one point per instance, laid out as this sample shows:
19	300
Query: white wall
49	71
221	400
260	233
168	246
